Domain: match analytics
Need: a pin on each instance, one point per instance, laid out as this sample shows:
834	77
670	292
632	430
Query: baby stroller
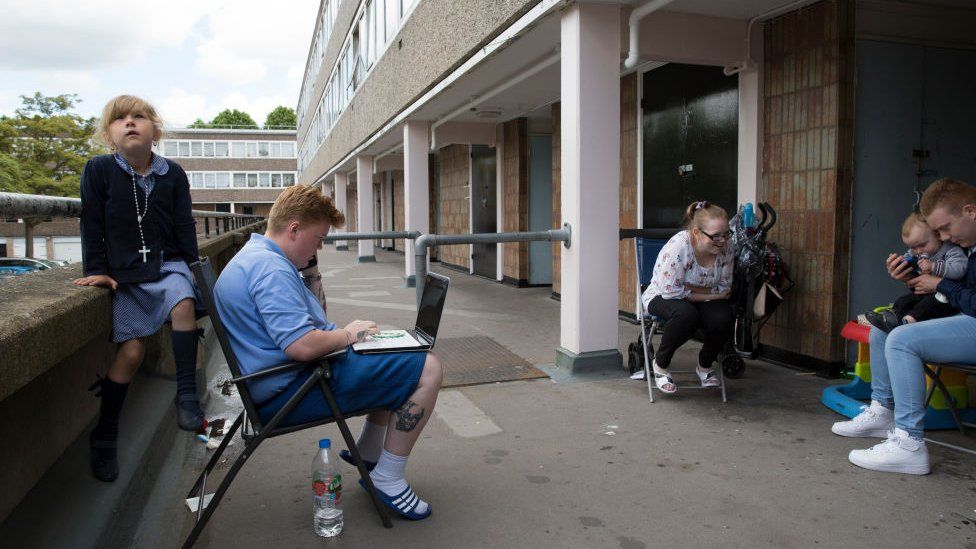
647	245
759	279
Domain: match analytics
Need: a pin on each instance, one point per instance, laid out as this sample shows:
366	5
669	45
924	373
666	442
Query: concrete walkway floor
583	463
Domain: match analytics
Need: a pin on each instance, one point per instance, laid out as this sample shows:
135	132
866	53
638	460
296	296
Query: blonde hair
120	106
697	212
305	204
948	193
913	219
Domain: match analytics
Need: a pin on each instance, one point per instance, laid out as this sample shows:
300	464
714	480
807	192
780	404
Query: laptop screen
431	305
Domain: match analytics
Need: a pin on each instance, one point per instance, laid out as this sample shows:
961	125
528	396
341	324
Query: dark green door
691	126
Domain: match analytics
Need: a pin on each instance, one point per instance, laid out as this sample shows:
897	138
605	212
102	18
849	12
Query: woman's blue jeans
897	375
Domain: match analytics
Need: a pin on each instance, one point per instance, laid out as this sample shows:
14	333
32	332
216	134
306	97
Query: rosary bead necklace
139	217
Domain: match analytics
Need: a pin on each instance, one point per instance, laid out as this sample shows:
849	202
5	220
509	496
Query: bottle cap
325	443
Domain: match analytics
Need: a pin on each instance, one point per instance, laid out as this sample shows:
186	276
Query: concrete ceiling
477	92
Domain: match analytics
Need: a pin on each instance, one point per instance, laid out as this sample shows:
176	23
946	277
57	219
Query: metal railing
379	235
563	235
35	208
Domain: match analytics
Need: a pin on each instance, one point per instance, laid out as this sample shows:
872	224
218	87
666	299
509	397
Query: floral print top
676	266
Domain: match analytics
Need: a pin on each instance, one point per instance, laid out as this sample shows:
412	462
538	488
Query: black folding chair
934	372
259	431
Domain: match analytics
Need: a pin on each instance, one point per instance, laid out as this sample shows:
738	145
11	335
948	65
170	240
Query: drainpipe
635	17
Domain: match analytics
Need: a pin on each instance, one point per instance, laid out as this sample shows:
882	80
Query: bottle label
335	489
328	487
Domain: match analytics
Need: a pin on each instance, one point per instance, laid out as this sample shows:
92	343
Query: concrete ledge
54	338
367	259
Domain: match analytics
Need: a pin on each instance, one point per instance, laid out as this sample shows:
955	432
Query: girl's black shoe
189	415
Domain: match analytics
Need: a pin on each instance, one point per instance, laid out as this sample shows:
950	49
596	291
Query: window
240	180
220	149
264	179
263	148
288	179
274	149
196	180
288	150
196	148
223	180
237	149
276	180
184	148
392	17
209	179
252	150
208	148
170	148
252	180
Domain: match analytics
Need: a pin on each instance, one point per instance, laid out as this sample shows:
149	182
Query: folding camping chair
259	431
645	254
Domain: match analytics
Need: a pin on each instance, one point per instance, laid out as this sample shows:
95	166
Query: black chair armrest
322	360
273	370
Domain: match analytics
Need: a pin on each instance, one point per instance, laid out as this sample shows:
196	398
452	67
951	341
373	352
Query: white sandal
662	380
709	378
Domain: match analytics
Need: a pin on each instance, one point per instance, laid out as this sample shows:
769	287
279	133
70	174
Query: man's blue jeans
897	376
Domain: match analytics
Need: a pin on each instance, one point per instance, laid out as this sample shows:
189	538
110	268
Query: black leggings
683	319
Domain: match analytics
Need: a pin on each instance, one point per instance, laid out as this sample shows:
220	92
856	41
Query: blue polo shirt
265	307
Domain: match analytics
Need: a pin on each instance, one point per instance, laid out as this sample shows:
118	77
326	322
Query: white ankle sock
370	441
389	477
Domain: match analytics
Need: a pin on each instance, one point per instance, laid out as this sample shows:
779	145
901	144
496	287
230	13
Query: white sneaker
873	421
899	454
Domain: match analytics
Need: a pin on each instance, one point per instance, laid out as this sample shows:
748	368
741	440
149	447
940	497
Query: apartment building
467	116
233	170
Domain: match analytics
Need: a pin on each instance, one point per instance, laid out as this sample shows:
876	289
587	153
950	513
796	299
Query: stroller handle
768	217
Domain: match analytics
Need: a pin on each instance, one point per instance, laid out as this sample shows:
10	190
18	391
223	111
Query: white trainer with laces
899	454
873	421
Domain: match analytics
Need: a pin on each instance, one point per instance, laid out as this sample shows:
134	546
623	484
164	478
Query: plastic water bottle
326	492
748	216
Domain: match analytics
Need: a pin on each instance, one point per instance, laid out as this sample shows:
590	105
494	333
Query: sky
189	58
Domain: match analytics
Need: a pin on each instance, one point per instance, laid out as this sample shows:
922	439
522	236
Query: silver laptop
422	336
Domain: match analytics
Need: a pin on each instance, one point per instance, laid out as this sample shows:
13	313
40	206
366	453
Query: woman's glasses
720	237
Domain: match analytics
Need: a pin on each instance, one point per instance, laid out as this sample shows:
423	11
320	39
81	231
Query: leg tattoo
408	416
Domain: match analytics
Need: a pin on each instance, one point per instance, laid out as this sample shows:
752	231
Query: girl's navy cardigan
110	231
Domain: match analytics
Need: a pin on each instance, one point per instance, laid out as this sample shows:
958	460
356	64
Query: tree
234	117
281	117
199	123
45	145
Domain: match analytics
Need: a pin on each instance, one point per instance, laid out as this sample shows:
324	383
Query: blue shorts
360	382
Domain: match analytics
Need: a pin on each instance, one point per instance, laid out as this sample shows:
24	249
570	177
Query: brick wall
516	198
433	168
399	214
453	194
807	173
351	211
626	277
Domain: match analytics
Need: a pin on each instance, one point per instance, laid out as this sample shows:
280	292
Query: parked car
16	266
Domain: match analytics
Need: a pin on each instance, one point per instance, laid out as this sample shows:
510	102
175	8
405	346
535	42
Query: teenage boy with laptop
272	318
